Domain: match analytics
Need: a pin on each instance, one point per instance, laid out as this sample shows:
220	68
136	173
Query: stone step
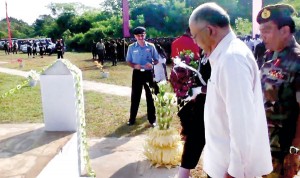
27	150
123	158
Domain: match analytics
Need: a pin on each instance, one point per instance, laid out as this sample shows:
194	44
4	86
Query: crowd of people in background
115	50
33	47
256	45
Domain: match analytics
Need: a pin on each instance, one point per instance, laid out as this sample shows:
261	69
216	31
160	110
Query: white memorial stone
59	98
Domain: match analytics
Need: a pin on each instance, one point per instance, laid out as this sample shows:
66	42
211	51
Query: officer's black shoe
130	123
153	124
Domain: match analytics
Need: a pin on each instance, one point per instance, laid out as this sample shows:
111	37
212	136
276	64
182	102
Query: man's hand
148	66
228	176
137	66
196	91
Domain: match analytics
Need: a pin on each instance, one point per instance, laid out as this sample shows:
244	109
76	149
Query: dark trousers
59	54
114	59
192	120
100	56
94	53
142	79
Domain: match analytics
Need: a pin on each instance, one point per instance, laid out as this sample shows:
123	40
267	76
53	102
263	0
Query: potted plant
33	78
163	145
103	73
20	61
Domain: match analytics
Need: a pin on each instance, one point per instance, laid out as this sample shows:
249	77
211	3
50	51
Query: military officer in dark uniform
281	83
141	56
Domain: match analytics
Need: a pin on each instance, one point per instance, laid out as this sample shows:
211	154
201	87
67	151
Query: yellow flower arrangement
99	66
163	145
103	73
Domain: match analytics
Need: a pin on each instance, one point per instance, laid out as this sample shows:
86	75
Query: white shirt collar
223	44
137	44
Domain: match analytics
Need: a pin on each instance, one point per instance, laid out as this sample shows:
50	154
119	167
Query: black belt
142	70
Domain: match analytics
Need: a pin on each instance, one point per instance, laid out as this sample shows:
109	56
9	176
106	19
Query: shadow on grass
120	136
88	68
141	125
89	60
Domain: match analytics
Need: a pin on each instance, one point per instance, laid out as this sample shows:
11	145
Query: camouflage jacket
280	76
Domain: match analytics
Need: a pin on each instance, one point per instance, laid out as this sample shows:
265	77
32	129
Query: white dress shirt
159	70
236	129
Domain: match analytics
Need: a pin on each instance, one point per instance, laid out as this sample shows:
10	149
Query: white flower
33	75
176	60
163	82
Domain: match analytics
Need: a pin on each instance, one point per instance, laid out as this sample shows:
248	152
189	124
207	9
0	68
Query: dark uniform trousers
142	79
194	132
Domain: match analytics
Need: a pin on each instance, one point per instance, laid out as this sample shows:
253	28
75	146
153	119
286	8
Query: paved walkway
25	149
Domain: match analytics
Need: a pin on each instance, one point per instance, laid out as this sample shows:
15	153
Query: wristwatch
294	150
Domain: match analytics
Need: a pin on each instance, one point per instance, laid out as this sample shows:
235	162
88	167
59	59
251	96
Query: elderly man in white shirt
236	132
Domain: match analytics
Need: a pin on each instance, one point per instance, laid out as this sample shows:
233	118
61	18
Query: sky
30	10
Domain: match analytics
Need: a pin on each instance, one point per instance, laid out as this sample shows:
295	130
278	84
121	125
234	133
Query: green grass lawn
106	115
119	75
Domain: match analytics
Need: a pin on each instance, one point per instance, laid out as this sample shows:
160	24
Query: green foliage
2	34
80	25
19	29
243	26
74	42
153	33
65	21
42	24
297	34
59	8
164	102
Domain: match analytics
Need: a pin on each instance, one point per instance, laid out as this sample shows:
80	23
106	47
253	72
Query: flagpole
125	16
8	31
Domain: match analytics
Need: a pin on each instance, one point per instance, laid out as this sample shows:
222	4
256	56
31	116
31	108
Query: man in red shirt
185	42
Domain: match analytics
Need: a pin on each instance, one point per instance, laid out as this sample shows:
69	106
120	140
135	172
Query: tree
112	6
2	34
74	8
243	26
19	28
80	25
40	25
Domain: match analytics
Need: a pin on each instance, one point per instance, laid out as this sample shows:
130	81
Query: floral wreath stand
163	146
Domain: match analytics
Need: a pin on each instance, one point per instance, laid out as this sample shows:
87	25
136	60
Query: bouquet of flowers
33	75
103	73
99	66
33	78
184	73
20	61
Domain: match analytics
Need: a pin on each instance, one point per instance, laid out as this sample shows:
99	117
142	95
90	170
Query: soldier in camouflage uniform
281	82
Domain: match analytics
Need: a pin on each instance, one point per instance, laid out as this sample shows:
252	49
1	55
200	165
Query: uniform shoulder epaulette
151	44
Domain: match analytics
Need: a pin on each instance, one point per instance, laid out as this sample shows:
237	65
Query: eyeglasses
294	150
194	37
140	35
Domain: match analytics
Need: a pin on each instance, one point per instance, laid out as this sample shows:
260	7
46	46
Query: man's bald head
211	13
